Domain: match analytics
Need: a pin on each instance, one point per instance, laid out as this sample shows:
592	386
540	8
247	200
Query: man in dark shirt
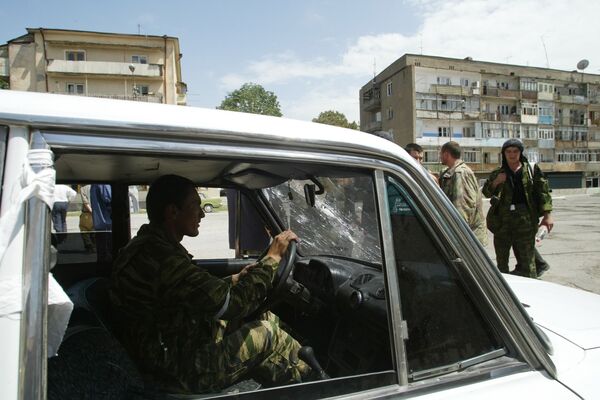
175	315
523	197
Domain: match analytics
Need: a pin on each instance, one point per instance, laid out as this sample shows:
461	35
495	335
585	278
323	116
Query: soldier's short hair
453	148
166	190
413	147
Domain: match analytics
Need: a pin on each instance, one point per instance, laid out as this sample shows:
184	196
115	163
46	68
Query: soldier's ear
171	211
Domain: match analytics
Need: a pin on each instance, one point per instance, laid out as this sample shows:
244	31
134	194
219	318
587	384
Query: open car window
343	221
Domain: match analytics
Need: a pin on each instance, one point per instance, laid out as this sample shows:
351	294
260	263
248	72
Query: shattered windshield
343	221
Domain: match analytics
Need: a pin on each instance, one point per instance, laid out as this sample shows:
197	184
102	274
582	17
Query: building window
141	90
464	82
139	59
431	156
71	55
390	113
443	131
529	109
470	156
530	86
467	131
544	133
444	80
75	88
389	88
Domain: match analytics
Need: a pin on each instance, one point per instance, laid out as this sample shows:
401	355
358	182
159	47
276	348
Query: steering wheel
280	284
286	266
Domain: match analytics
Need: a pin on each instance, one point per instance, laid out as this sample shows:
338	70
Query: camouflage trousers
518	232
260	350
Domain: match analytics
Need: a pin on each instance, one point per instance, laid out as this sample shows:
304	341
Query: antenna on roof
139	29
374	68
545	51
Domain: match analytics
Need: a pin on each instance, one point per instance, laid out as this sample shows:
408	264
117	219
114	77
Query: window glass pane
444	326
343	221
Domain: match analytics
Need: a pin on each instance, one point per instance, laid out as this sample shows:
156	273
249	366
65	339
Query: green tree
252	98
335	118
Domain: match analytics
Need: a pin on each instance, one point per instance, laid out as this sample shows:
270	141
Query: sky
316	55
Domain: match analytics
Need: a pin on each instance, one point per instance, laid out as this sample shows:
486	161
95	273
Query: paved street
572	249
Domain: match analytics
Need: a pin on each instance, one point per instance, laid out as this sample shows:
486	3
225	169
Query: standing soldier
460	185
416	152
520	196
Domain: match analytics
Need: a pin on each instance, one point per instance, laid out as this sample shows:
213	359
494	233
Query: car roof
55	111
69	117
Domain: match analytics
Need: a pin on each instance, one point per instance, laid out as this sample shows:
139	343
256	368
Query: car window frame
87	141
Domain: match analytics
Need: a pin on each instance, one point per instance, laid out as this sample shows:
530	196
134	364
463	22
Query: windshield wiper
458	366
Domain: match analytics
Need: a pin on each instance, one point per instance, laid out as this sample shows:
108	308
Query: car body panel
561	309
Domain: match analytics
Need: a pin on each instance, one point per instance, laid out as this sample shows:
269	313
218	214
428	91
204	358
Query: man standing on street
416	152
460	185
520	197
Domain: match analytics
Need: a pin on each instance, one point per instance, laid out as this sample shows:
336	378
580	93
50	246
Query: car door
454	345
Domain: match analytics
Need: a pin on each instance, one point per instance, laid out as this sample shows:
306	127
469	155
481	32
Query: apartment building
112	65
431	100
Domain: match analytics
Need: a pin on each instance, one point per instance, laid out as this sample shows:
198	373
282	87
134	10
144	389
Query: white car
389	286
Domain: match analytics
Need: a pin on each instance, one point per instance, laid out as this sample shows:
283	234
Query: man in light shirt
63	194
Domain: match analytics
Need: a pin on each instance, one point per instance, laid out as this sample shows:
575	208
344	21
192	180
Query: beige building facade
431	100
111	65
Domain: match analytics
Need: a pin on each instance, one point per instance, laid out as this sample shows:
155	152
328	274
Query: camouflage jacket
460	185
537	192
167	306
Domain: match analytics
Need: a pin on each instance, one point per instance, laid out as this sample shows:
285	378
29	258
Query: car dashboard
351	297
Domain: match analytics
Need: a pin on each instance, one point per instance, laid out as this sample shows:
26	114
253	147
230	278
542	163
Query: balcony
546	119
372	104
4	66
501	117
533	95
544	96
572	99
373	126
546	143
143	98
451	90
529	119
104	68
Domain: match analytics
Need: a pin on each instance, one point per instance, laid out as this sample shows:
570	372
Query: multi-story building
431	100
113	65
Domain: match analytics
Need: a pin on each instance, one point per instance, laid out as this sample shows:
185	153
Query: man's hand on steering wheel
280	245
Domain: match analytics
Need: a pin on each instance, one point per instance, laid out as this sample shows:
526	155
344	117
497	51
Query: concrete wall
105	71
21	59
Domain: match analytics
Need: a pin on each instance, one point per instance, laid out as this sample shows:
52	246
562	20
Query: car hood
570	313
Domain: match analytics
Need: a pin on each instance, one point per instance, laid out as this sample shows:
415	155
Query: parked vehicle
208	205
390	287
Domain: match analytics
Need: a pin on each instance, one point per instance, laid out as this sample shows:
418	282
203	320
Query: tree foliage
252	98
335	118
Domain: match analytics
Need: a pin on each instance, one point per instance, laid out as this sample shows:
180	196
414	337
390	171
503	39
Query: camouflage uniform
517	228
460	185
174	319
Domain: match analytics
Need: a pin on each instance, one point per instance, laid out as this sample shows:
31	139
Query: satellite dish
583	64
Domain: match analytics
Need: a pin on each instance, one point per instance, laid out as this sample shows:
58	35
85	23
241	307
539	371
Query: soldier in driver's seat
173	314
